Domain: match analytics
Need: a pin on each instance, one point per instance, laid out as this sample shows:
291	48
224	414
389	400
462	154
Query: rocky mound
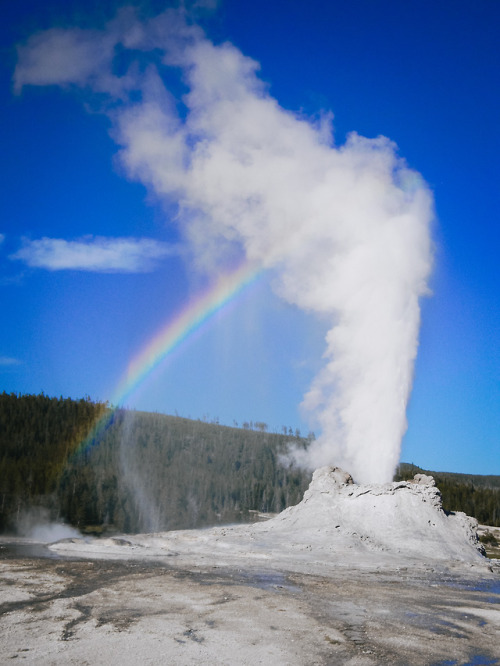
404	518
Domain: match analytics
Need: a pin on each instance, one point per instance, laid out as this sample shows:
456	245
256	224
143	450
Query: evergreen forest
137	471
105	470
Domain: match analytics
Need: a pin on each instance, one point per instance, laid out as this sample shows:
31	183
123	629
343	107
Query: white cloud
60	57
345	228
96	254
7	361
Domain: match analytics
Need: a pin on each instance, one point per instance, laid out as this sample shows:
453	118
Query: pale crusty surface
57	611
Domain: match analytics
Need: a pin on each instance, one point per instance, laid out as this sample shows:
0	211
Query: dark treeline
38	435
141	472
474	494
148	472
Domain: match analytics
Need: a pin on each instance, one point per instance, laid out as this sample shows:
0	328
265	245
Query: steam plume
345	229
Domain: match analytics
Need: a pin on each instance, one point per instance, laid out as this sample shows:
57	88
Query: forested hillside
146	471
143	471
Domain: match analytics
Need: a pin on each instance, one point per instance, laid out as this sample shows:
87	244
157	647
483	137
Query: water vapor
136	477
343	228
35	523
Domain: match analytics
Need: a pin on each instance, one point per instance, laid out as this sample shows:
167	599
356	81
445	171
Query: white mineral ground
372	574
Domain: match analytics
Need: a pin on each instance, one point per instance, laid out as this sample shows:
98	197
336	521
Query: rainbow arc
191	319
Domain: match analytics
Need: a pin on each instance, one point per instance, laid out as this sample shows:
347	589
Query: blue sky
424	74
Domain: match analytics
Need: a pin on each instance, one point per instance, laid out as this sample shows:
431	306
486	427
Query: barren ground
55	610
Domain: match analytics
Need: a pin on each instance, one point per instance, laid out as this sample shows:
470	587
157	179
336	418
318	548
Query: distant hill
148	472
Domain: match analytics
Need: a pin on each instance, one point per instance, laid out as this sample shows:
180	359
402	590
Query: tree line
102	469
475	494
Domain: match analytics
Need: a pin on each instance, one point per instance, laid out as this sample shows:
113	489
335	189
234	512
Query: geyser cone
404	518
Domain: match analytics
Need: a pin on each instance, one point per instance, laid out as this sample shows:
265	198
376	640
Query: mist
136	478
344	230
36	523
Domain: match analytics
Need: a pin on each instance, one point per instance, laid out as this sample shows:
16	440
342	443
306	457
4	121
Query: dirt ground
55	610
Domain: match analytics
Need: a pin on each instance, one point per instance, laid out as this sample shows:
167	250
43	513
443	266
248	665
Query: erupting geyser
344	228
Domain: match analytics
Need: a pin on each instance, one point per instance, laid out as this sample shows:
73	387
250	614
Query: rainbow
196	313
170	337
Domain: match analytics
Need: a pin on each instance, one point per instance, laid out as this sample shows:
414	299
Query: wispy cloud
96	254
8	361
63	57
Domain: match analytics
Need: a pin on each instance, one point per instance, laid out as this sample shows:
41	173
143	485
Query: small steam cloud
36	524
344	228
137	480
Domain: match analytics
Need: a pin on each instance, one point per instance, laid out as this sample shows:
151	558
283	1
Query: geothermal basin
373	574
